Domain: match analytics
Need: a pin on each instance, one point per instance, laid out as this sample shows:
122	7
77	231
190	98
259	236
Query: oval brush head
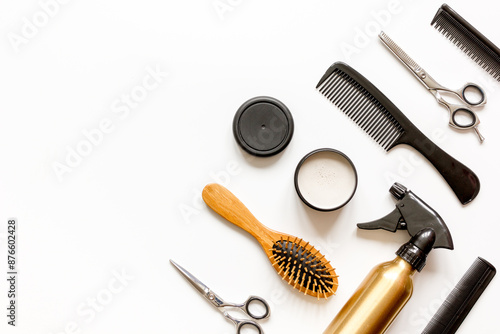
304	268
295	260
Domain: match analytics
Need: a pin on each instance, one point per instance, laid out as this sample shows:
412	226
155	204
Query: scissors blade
400	54
198	285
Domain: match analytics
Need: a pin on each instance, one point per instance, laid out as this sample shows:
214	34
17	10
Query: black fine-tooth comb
468	39
462	298
359	99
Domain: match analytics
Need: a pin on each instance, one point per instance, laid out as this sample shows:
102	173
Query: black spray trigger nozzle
392	222
412	214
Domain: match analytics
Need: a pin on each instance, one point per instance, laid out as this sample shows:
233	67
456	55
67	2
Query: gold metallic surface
377	301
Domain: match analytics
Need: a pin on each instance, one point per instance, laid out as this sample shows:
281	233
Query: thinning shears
222	306
462	116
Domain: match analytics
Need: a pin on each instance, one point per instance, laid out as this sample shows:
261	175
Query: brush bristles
303	268
364	109
469	44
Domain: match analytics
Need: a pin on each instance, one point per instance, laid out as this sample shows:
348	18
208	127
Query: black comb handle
460	301
462	180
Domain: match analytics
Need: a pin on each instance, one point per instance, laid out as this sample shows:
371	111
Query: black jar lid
263	126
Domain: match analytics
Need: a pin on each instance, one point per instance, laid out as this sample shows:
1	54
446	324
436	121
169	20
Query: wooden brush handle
230	207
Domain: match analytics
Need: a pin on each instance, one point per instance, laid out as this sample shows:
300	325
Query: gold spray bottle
389	286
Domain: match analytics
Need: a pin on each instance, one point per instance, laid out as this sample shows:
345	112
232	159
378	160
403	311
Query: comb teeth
364	109
468	42
304	268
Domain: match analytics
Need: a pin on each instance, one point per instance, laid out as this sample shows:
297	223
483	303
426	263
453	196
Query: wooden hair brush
295	260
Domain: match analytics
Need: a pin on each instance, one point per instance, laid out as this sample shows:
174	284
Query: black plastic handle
259	301
470	115
247	324
462	180
471	87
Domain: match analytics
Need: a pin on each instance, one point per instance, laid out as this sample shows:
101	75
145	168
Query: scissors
462	116
221	305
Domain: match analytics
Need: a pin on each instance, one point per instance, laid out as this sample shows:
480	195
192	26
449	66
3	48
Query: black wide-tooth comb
359	99
468	39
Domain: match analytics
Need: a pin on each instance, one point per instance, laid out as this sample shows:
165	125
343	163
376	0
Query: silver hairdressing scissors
222	306
462	116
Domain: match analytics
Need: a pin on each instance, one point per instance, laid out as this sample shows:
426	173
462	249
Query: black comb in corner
368	107
468	39
462	298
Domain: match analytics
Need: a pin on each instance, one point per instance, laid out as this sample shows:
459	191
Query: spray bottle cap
414	215
415	251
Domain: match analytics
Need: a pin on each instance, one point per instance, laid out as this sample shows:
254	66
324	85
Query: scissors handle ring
472	115
474	87
251	323
253	299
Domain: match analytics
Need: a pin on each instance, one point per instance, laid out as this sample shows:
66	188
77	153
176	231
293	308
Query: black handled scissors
464	94
222	306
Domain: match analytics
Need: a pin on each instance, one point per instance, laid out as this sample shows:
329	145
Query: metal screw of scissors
458	112
222	306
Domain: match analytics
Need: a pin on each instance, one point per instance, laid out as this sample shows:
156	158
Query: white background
134	201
